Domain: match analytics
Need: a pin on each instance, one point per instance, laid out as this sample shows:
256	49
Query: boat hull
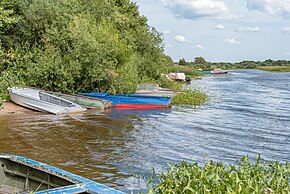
23	175
132	100
43	102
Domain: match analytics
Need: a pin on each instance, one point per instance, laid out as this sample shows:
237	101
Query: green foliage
182	62
187	70
69	45
253	64
200	62
10	73
189	97
125	80
164	82
216	177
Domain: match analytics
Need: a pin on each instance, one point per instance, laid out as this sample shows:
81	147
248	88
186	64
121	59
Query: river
247	113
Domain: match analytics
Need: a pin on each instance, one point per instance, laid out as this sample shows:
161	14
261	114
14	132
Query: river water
248	113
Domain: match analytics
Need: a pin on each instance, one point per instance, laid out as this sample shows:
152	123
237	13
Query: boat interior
54	100
20	178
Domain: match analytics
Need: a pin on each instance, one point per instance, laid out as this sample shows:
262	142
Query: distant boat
219	71
154	90
22	175
85	101
212	71
42	101
132	100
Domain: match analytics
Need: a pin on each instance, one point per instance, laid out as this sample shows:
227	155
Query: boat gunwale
79	183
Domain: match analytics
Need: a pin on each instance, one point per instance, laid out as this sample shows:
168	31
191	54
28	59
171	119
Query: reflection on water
248	113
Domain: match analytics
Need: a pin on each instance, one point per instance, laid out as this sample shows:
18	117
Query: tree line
201	63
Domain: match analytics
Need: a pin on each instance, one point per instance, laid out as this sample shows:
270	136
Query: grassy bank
275	68
216	177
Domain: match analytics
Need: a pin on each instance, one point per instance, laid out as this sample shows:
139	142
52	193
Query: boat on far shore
42	101
209	71
22	175
219	71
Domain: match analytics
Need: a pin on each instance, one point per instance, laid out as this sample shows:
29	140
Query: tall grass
275	68
215	177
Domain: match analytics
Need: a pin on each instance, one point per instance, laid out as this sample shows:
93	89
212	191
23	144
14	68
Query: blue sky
221	30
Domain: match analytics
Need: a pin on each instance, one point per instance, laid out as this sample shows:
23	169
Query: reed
275	68
189	97
216	177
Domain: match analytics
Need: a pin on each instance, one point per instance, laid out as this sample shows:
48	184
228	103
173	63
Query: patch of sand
12	108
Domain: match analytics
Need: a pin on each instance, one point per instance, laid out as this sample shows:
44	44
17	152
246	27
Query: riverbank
275	68
9	108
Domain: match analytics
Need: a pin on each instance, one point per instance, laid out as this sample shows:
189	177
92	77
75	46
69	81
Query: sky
221	30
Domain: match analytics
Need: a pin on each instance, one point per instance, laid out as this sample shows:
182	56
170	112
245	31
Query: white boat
41	101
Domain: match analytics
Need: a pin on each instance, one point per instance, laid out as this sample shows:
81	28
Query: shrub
189	97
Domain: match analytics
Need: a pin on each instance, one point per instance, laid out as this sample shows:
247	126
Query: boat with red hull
132	100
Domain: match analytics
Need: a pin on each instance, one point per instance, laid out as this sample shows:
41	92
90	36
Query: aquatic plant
216	177
189	97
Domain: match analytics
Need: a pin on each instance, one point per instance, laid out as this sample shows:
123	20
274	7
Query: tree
200	62
182	62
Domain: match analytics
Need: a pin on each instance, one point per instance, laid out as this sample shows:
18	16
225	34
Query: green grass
189	97
218	178
275	68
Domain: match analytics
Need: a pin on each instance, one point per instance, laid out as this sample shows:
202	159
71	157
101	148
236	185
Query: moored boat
42	101
85	101
132	100
219	71
22	175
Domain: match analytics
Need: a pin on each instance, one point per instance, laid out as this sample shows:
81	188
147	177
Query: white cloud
248	29
220	27
272	7
287	53
193	9
286	30
199	46
169	45
232	41
180	38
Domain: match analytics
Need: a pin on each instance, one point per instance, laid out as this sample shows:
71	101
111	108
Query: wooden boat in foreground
85	101
22	175
132	100
42	101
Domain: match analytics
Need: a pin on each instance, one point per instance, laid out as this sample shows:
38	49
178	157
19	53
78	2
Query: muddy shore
9	108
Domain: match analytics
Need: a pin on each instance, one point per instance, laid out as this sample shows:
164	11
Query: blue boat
132	100
22	175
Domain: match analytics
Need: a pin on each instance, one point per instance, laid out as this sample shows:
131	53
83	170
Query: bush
189	97
216	177
164	82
